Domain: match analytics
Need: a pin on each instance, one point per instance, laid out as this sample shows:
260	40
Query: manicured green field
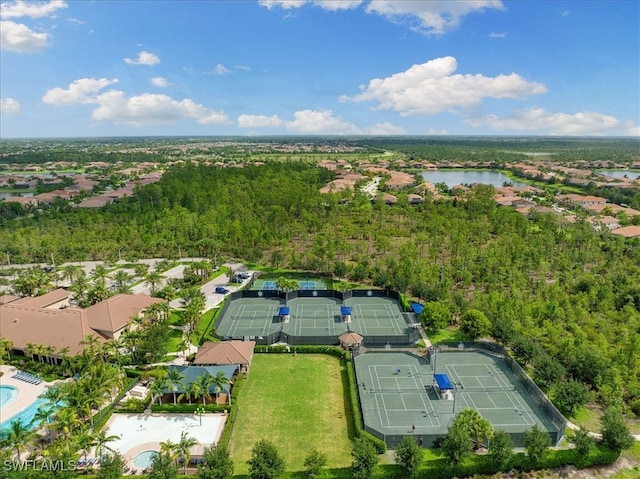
297	402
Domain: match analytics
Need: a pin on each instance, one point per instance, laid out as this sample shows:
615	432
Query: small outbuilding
350	340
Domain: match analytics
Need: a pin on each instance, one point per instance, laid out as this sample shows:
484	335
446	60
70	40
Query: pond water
467	177
632	175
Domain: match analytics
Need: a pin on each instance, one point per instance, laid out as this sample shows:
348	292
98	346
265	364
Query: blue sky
325	67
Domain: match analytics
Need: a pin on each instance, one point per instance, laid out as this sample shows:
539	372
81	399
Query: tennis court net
462	389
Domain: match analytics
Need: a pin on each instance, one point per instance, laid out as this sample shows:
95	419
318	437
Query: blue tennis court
270	285
308	285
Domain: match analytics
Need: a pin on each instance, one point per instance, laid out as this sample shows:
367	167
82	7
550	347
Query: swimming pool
26	415
7	395
143	460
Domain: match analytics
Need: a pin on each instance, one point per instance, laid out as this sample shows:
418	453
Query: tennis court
398	396
305	285
312	319
377	316
305	282
251	317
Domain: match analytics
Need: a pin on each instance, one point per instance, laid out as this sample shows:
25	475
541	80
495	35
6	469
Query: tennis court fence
558	420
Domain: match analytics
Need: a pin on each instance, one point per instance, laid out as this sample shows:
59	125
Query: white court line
375	373
514	398
419	387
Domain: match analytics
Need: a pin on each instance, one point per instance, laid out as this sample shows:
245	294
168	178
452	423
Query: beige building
50	320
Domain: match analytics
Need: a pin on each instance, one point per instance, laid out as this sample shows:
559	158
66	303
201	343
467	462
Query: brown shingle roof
115	312
226	352
59	328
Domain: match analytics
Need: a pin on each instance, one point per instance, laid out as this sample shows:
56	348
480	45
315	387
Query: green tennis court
398	397
305	282
252	317
312	320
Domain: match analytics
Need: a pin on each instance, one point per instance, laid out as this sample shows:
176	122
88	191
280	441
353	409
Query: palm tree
43	418
79	288
153	279
174	379
6	345
187	393
157	390
220	381
85	441
202	386
65	420
71	272
122	278
101	442
20	435
169	448
100	274
183	447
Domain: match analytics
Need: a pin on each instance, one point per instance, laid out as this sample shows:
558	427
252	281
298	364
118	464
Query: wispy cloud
540	121
160	82
501	35
144	58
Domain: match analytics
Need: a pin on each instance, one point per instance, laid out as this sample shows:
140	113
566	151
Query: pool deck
144	432
27	393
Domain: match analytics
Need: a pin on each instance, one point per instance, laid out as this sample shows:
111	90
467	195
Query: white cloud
220	69
258	121
83	90
566	13
286	4
540	121
320	122
242	67
434	17
432	87
160	82
9	106
144	58
20	8
501	35
19	38
151	109
633	130
385	128
435	131
331	5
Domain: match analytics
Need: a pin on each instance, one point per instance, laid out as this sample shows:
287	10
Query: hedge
188	408
331	350
233	414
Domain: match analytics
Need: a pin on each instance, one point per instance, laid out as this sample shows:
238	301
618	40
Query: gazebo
350	340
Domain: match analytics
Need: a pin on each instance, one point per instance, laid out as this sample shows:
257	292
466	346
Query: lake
632	175
467	177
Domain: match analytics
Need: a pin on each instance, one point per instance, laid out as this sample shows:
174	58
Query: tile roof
226	352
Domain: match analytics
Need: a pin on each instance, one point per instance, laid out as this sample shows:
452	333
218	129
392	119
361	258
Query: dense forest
565	298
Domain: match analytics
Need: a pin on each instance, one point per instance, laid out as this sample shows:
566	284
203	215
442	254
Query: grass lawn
297	402
446	335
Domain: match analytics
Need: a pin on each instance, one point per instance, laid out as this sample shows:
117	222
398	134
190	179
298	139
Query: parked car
221	290
244	275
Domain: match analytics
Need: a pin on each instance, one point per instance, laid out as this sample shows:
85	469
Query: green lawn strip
204	326
297	402
175	338
446	335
